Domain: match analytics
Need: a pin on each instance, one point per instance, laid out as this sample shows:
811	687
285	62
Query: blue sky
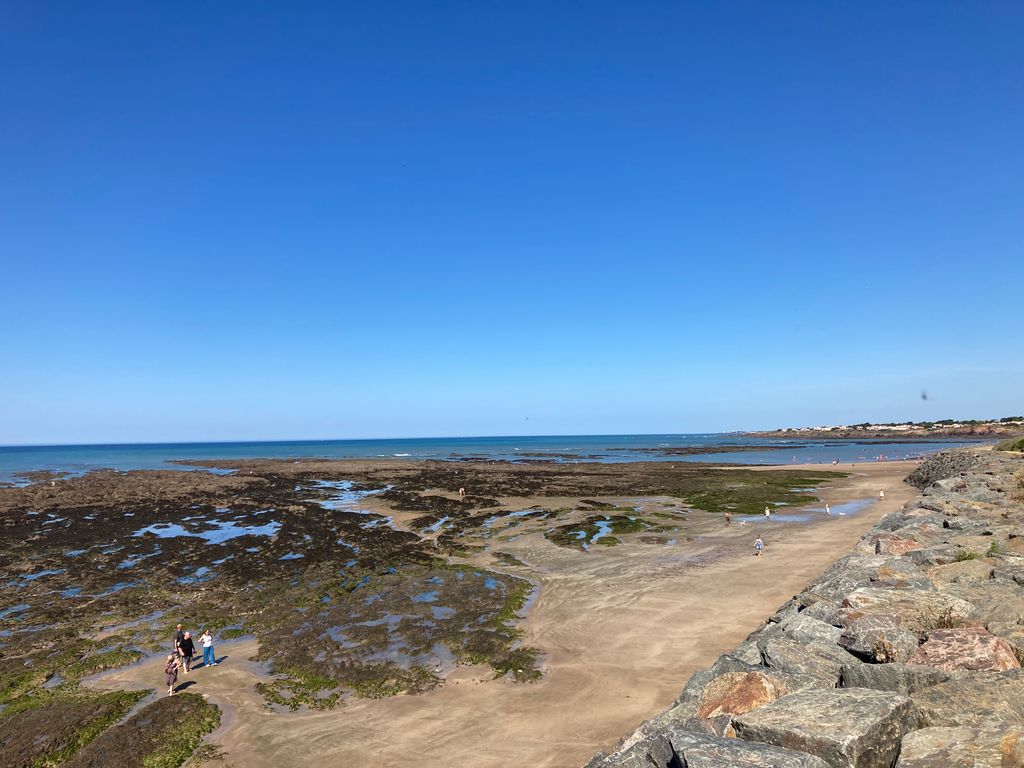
317	220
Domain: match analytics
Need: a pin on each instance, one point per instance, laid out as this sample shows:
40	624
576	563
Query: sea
73	460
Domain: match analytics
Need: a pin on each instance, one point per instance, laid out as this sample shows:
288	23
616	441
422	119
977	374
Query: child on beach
206	640
767	513
728	518
171	673
758	547
828	509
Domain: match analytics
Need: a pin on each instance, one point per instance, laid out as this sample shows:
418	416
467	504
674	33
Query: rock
854	727
1012	633
826	611
820	661
961	573
990	600
891	544
748	652
675	747
676	716
899	678
973	700
737	692
878	639
941	466
971	648
972	545
846	575
1013	546
807	629
937	554
961	748
901	573
726	663
917	610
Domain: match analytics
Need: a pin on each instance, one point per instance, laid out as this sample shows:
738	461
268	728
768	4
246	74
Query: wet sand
622	628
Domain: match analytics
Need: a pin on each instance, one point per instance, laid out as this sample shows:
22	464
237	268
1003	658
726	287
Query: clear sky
340	219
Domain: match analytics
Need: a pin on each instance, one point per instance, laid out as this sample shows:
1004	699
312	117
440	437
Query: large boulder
974	700
823	609
917	610
971	648
820	662
891	544
990	600
878	639
964	572
674	747
854	727
899	678
1012	633
737	692
854	571
723	665
937	554
807	629
961	747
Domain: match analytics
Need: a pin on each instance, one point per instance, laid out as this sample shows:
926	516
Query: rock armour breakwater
907	652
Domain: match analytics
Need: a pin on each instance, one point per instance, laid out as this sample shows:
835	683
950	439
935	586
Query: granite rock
961	747
854	727
970	648
879	639
973	700
679	748
899	678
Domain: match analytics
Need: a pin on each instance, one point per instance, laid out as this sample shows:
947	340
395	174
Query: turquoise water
77	459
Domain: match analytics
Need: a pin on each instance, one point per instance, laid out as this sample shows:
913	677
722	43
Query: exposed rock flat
906	652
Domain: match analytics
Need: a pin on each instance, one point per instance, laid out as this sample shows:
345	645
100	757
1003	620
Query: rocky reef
907	652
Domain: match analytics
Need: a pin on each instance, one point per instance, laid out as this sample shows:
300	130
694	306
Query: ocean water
78	459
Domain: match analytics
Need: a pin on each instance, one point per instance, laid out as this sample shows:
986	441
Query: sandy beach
622	628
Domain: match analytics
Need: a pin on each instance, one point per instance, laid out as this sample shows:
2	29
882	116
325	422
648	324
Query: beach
620	629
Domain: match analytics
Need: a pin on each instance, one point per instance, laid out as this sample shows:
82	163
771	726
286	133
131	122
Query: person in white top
206	640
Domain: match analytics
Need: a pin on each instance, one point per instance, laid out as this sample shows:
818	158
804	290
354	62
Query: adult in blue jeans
206	640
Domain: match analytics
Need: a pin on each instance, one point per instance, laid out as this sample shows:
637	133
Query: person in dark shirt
179	635
187	649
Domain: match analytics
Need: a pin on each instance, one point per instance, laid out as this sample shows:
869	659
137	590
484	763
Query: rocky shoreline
906	652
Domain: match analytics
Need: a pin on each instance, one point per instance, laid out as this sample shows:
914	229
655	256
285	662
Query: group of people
184	650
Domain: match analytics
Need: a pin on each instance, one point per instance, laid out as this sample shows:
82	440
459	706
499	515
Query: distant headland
1004	427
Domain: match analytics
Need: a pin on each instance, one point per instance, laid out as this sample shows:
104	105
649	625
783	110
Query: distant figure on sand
728	518
881	495
462	494
206	640
828	509
171	673
768	513
758	547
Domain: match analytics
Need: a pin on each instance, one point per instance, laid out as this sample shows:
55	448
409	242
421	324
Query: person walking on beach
828	509
179	636
462	494
728	518
758	547
171	673
767	513
206	640
881	495
187	649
